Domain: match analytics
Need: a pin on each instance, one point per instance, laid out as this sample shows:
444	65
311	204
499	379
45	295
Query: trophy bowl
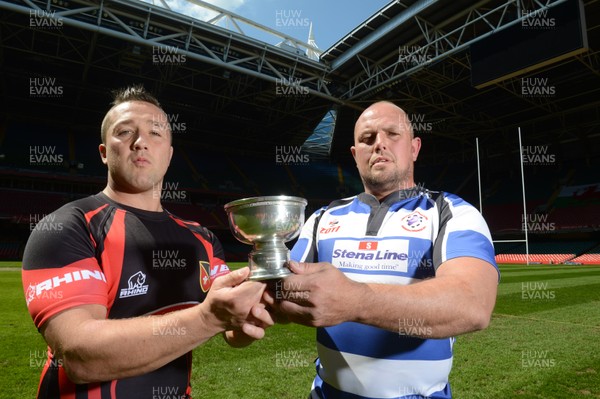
267	223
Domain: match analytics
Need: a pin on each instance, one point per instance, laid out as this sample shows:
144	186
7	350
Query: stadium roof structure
419	54
239	94
233	92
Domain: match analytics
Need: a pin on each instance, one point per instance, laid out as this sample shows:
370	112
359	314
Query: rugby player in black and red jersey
125	290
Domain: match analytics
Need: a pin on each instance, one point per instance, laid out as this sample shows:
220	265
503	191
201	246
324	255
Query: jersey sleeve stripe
88	218
49	291
67	388
112	261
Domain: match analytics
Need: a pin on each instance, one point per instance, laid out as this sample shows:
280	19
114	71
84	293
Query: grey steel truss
434	43
149	25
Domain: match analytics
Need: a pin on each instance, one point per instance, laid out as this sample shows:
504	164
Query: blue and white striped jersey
401	240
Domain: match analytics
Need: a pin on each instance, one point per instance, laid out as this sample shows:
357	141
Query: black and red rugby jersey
134	262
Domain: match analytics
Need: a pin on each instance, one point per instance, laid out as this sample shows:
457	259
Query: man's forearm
443	306
103	350
417	310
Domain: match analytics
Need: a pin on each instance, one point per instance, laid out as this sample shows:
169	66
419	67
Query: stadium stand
587	259
534	258
562	199
34	193
591	257
10	250
546	252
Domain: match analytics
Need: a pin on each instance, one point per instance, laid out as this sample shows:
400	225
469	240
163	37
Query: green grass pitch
543	342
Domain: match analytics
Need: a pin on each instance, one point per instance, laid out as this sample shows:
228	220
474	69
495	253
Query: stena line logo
367	245
135	286
385	255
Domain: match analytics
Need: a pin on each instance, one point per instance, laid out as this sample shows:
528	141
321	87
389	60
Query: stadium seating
26	204
592	257
564	197
547	252
534	258
10	250
587	259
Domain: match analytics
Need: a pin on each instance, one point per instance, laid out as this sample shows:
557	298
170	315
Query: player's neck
383	192
146	201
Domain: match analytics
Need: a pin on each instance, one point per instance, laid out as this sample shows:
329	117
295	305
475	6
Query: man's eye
156	133
367	138
123	132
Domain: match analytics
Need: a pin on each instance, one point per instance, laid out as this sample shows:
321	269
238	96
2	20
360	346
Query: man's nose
140	142
380	140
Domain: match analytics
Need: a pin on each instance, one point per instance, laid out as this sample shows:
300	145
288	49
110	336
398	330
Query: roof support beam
434	42
118	19
381	32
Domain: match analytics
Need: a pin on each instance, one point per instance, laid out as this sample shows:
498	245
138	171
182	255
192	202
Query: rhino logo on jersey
135	286
137	280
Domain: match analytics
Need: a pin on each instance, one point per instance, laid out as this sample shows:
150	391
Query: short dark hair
130	93
133	93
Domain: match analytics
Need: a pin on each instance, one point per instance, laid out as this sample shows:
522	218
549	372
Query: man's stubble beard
397	180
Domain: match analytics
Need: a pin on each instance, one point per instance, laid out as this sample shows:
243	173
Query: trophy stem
267	260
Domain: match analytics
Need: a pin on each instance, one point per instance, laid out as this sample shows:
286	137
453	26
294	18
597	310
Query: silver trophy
267	223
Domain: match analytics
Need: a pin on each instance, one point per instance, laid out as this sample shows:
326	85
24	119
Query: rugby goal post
524	224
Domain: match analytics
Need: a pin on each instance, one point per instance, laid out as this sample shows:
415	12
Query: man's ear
102	150
415	147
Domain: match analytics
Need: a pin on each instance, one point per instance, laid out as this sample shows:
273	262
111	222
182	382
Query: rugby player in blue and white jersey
391	275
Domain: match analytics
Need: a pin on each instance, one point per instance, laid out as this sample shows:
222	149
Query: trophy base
267	262
269	274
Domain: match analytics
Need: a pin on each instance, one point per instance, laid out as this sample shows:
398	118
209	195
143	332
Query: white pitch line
546	320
